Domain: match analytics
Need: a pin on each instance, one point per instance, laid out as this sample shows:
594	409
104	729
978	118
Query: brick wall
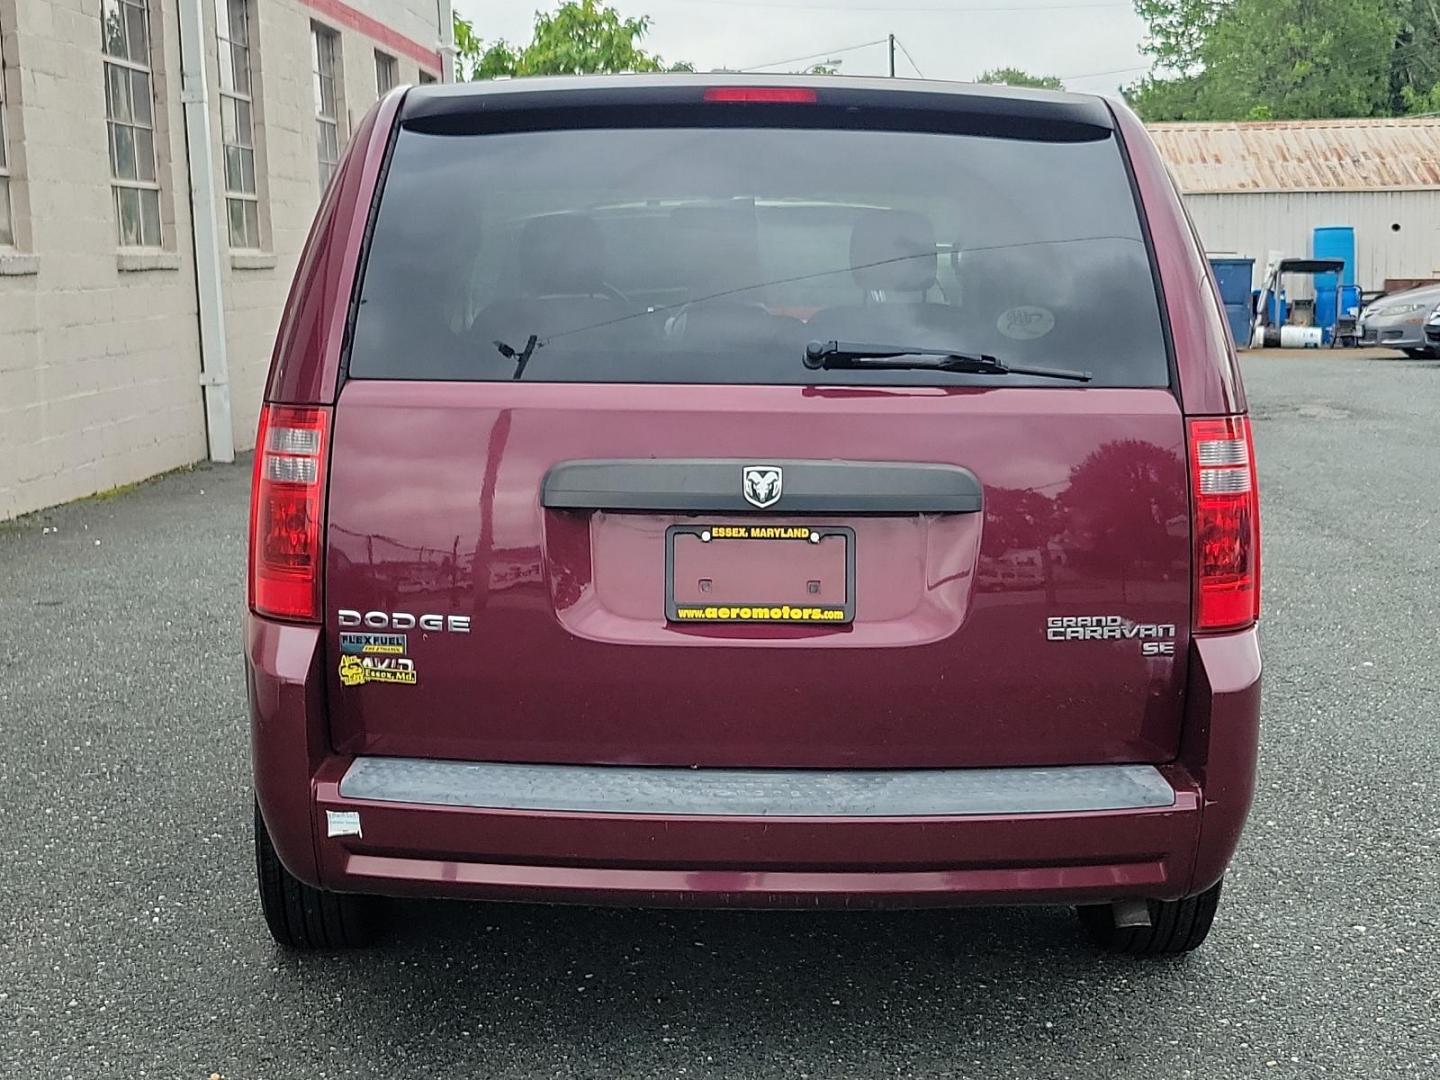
99	346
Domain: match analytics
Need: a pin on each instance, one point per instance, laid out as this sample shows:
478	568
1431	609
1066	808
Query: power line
910	58
821	55
825	54
1097	74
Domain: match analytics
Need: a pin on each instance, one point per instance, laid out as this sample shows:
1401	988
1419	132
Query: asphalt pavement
131	945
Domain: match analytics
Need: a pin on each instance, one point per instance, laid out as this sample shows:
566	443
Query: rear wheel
301	916
1176	926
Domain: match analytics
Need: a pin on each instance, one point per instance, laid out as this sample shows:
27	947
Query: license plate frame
759	610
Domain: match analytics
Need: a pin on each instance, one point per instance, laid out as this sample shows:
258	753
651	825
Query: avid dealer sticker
359	670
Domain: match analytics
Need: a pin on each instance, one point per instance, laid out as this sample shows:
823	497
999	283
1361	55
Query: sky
1092	44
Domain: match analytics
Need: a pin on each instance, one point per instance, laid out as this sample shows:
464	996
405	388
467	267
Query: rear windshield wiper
832	355
520	356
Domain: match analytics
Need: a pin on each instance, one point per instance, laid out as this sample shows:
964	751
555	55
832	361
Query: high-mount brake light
287	505
1227	523
780	95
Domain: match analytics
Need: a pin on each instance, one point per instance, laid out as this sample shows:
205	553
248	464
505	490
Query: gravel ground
132	947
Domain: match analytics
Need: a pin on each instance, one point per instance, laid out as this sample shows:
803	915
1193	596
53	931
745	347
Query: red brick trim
337	11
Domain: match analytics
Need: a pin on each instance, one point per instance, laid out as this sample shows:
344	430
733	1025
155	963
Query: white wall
99	348
1253	225
255	287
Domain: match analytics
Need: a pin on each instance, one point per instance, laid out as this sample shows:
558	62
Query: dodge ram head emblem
761	485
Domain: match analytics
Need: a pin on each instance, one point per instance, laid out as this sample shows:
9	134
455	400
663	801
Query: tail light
1227	524
769	95
287	504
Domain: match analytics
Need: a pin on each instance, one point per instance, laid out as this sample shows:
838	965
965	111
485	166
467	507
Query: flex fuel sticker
373	644
359	670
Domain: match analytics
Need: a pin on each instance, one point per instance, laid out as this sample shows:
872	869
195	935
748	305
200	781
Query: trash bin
1235	277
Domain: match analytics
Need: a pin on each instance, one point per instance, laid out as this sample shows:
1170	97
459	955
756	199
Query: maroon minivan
711	490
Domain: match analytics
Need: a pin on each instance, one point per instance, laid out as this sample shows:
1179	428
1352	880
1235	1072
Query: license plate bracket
751	572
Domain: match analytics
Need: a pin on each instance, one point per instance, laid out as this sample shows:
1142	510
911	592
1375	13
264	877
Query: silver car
1405	320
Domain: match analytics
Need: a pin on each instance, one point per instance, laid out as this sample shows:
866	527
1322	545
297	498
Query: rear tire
301	916
1176	926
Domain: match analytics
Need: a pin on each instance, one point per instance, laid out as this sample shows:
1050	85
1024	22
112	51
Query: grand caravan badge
1156	639
359	670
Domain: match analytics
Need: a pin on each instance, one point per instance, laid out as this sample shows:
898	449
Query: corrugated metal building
1254	188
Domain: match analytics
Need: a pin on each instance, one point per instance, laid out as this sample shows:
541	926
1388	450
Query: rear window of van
714	255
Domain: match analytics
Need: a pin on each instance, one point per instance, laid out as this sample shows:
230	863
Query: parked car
1400	321
751	378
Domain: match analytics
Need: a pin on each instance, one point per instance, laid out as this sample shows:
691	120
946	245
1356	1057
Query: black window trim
1172	362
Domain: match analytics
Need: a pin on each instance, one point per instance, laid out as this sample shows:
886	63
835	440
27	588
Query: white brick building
105	296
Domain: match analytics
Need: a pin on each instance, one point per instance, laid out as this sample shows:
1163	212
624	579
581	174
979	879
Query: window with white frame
7	220
130	116
387	73
426	78
237	122
325	57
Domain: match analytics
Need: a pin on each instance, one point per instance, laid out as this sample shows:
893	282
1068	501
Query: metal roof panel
1393	154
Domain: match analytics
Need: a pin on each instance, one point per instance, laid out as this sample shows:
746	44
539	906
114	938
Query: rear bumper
563	834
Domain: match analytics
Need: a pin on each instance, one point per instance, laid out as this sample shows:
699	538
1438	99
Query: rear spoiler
690	101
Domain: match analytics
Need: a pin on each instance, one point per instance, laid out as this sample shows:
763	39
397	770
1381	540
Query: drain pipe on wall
445	27
205	233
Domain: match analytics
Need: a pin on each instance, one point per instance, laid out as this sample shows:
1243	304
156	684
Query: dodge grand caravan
696	491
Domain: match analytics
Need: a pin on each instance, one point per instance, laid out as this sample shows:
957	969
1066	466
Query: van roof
454	100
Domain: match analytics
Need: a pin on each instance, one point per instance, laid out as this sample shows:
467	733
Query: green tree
580	37
1415	64
1288	59
1423	104
1178	30
1156	98
1176	37
1009	76
1299	59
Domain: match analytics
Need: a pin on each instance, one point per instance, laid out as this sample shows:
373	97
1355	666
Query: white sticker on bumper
342	823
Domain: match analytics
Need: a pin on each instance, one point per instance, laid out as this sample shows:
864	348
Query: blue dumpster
1235	277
